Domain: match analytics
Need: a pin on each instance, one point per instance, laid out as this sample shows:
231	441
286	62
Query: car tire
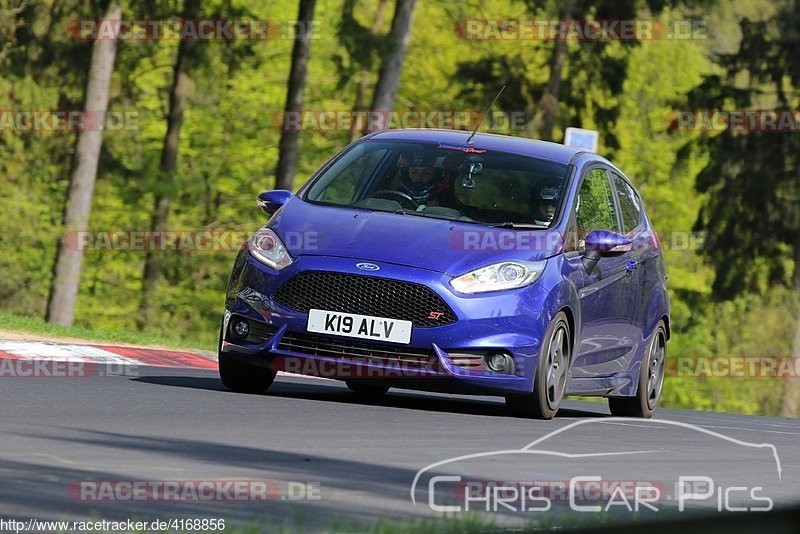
651	380
364	388
242	377
552	372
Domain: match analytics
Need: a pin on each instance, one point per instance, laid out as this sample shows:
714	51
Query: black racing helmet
419	191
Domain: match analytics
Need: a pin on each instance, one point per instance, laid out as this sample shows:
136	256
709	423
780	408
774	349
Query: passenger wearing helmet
420	178
544	203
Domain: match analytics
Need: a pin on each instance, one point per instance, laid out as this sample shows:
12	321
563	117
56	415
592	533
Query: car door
607	293
643	253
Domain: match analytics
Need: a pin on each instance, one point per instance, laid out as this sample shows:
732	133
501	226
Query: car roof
505	143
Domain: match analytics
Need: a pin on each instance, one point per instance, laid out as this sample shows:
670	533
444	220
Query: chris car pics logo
602	478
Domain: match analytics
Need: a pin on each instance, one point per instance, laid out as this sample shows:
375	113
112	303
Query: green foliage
228	152
751	212
596	209
748	326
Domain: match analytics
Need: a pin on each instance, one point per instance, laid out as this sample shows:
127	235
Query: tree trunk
363	83
181	85
67	271
548	104
287	148
399	36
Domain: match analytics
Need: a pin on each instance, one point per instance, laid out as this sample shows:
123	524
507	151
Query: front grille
365	295
360	352
260	332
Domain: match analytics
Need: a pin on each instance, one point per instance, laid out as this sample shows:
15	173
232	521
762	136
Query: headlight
266	247
504	275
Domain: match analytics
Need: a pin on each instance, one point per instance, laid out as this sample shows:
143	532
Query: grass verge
26	324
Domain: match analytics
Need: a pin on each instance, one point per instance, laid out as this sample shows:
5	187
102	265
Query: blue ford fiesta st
423	259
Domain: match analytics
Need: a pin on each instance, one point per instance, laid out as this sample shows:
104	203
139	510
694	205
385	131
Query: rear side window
629	205
595	208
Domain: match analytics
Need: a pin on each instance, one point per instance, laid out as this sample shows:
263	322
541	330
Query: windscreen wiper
526	226
406	211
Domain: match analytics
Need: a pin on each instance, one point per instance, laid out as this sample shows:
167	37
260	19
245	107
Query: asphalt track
354	457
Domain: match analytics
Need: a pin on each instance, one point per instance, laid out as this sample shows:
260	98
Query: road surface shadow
53	490
353	492
396	398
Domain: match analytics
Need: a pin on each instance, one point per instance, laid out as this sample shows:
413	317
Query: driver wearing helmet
544	203
420	178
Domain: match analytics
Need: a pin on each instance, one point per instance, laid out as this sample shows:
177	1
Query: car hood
435	244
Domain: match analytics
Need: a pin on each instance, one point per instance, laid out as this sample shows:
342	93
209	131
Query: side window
571	237
343	188
595	207
339	183
629	205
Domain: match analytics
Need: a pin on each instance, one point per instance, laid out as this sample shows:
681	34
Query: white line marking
759	430
636	426
714	417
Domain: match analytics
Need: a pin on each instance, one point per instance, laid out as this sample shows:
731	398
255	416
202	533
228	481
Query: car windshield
444	181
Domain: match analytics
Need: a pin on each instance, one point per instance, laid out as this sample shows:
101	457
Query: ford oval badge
368	267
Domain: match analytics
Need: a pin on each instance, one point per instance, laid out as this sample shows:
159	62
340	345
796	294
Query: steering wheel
403	198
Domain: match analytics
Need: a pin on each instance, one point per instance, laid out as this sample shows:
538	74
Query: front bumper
507	321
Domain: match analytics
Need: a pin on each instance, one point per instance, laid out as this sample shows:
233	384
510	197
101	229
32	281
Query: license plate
360	326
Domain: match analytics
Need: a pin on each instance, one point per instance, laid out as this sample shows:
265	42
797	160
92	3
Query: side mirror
600	243
271	201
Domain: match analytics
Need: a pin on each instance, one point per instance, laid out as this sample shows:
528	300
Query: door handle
632	266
